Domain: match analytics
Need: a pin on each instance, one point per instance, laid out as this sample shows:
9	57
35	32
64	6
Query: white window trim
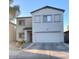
22	24
39	18
22	33
59	18
47	21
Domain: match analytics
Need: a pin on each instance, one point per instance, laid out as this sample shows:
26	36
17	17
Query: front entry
30	36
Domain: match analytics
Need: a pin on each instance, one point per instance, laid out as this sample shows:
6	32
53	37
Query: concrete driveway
42	51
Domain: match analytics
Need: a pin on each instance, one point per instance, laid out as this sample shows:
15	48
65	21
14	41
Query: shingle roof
49	7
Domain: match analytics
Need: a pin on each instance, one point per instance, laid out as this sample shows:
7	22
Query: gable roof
49	7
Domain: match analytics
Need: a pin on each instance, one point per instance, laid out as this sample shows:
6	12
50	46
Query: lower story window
21	35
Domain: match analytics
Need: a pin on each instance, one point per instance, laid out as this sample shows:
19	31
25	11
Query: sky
26	6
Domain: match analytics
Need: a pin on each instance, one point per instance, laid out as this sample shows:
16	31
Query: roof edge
24	17
48	7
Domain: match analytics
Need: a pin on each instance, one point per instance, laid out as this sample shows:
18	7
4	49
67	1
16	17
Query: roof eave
23	17
48	7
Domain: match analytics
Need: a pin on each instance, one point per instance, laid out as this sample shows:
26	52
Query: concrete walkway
42	51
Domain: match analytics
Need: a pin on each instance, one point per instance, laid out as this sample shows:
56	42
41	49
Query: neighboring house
23	24
45	25
12	32
66	36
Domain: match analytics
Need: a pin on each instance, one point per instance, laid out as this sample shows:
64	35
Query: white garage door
47	37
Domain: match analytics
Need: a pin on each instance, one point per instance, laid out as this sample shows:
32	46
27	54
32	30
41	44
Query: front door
30	35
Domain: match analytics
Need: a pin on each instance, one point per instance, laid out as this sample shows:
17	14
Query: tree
10	2
14	10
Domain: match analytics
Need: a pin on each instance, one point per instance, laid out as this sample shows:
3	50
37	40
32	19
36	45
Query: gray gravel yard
41	51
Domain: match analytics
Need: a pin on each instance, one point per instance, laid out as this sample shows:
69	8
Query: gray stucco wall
38	29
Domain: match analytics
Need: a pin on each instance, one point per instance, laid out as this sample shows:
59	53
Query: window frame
21	22
35	19
20	35
47	19
59	18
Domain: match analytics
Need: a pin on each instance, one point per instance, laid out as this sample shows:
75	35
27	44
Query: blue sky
26	6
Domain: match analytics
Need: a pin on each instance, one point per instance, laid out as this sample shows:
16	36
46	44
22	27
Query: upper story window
37	19
47	18
22	22
57	17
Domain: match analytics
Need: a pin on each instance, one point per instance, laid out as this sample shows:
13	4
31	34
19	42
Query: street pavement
41	51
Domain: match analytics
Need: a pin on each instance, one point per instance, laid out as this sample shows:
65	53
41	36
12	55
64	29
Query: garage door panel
47	37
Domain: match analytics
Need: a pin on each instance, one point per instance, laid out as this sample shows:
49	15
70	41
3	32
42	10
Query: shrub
20	44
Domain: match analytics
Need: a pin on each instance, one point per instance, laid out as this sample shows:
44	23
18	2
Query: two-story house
24	29
45	25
